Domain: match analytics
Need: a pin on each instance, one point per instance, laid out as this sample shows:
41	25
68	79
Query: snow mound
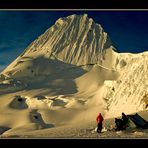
37	118
19	103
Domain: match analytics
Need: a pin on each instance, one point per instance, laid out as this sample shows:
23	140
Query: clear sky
128	30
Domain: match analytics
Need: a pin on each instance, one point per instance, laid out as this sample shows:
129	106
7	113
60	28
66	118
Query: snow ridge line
86	64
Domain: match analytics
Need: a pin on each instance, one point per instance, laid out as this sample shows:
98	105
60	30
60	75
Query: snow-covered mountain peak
75	39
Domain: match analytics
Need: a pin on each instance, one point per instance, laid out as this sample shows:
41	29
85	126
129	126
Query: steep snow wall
128	93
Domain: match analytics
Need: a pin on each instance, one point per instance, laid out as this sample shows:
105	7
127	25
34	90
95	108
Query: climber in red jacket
99	121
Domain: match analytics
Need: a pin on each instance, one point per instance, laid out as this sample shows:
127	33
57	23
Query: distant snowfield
65	78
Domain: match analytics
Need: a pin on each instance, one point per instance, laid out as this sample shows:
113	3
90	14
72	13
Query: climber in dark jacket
125	120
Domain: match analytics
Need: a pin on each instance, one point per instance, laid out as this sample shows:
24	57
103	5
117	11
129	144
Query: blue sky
127	29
